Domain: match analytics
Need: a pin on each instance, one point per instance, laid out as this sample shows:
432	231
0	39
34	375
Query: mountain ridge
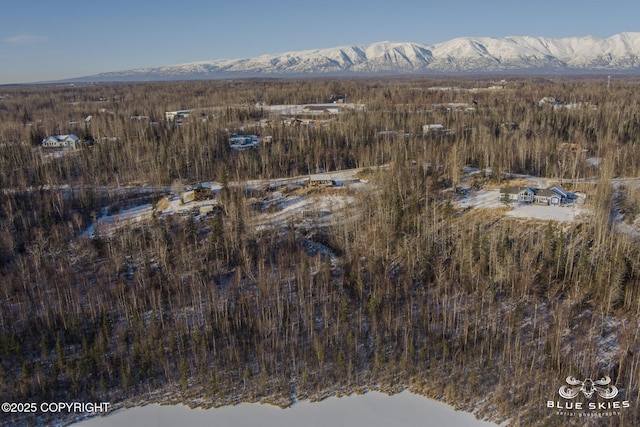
618	53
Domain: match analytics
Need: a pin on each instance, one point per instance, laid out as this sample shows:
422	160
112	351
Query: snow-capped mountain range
618	53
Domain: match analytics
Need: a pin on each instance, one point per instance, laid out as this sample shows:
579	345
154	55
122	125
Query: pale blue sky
47	40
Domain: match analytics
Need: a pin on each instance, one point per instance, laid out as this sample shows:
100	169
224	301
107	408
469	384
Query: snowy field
552	213
372	409
481	199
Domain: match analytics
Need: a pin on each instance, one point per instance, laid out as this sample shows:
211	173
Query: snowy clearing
278	206
551	213
481	199
492	199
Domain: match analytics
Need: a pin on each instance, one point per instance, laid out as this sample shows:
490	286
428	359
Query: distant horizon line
570	74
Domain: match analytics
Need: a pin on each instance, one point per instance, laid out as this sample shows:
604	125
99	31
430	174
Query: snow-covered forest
384	275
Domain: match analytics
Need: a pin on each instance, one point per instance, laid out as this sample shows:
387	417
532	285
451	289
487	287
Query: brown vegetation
456	305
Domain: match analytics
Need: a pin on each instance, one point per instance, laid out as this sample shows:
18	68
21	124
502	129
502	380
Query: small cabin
321	180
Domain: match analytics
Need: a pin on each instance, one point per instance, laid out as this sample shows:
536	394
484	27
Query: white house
61	141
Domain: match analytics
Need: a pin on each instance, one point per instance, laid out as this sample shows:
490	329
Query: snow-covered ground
372	409
491	199
283	206
318	208
107	223
296	109
481	199
554	213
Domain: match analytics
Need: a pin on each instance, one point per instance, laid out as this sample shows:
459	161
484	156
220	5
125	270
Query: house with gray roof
555	195
546	196
518	194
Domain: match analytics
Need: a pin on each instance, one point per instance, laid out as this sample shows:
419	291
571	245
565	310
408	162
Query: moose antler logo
588	387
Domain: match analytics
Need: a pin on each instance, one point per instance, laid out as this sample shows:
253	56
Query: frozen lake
372	409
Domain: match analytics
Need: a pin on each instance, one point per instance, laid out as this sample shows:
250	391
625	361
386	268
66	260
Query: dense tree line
459	305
